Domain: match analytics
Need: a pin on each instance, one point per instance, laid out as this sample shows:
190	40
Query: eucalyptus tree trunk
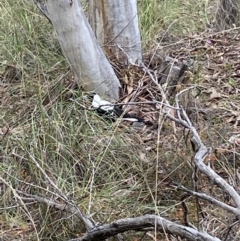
227	14
115	24
91	68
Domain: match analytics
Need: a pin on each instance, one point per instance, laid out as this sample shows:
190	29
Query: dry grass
104	168
171	20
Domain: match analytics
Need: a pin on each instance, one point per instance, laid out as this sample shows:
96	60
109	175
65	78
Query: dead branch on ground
144	223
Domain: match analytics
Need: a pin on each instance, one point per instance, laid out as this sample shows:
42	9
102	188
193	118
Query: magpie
111	111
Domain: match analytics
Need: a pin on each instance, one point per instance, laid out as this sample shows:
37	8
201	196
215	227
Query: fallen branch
210	199
201	149
202	152
145	223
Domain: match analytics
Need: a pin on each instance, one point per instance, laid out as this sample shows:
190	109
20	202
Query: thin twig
209	199
64	207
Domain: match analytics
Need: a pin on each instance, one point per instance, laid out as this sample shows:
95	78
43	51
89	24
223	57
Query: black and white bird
111	111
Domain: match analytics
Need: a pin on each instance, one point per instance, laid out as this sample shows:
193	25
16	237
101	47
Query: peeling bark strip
115	24
90	66
42	7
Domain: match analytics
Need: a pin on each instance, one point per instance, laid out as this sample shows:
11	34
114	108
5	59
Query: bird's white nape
108	109
96	101
102	104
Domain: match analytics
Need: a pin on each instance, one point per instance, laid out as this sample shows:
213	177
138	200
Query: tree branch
210	199
202	150
201	153
145	223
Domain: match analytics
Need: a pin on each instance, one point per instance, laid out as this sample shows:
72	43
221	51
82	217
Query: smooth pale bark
147	223
115	24
91	68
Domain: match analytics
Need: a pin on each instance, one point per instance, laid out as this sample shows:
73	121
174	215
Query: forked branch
202	151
